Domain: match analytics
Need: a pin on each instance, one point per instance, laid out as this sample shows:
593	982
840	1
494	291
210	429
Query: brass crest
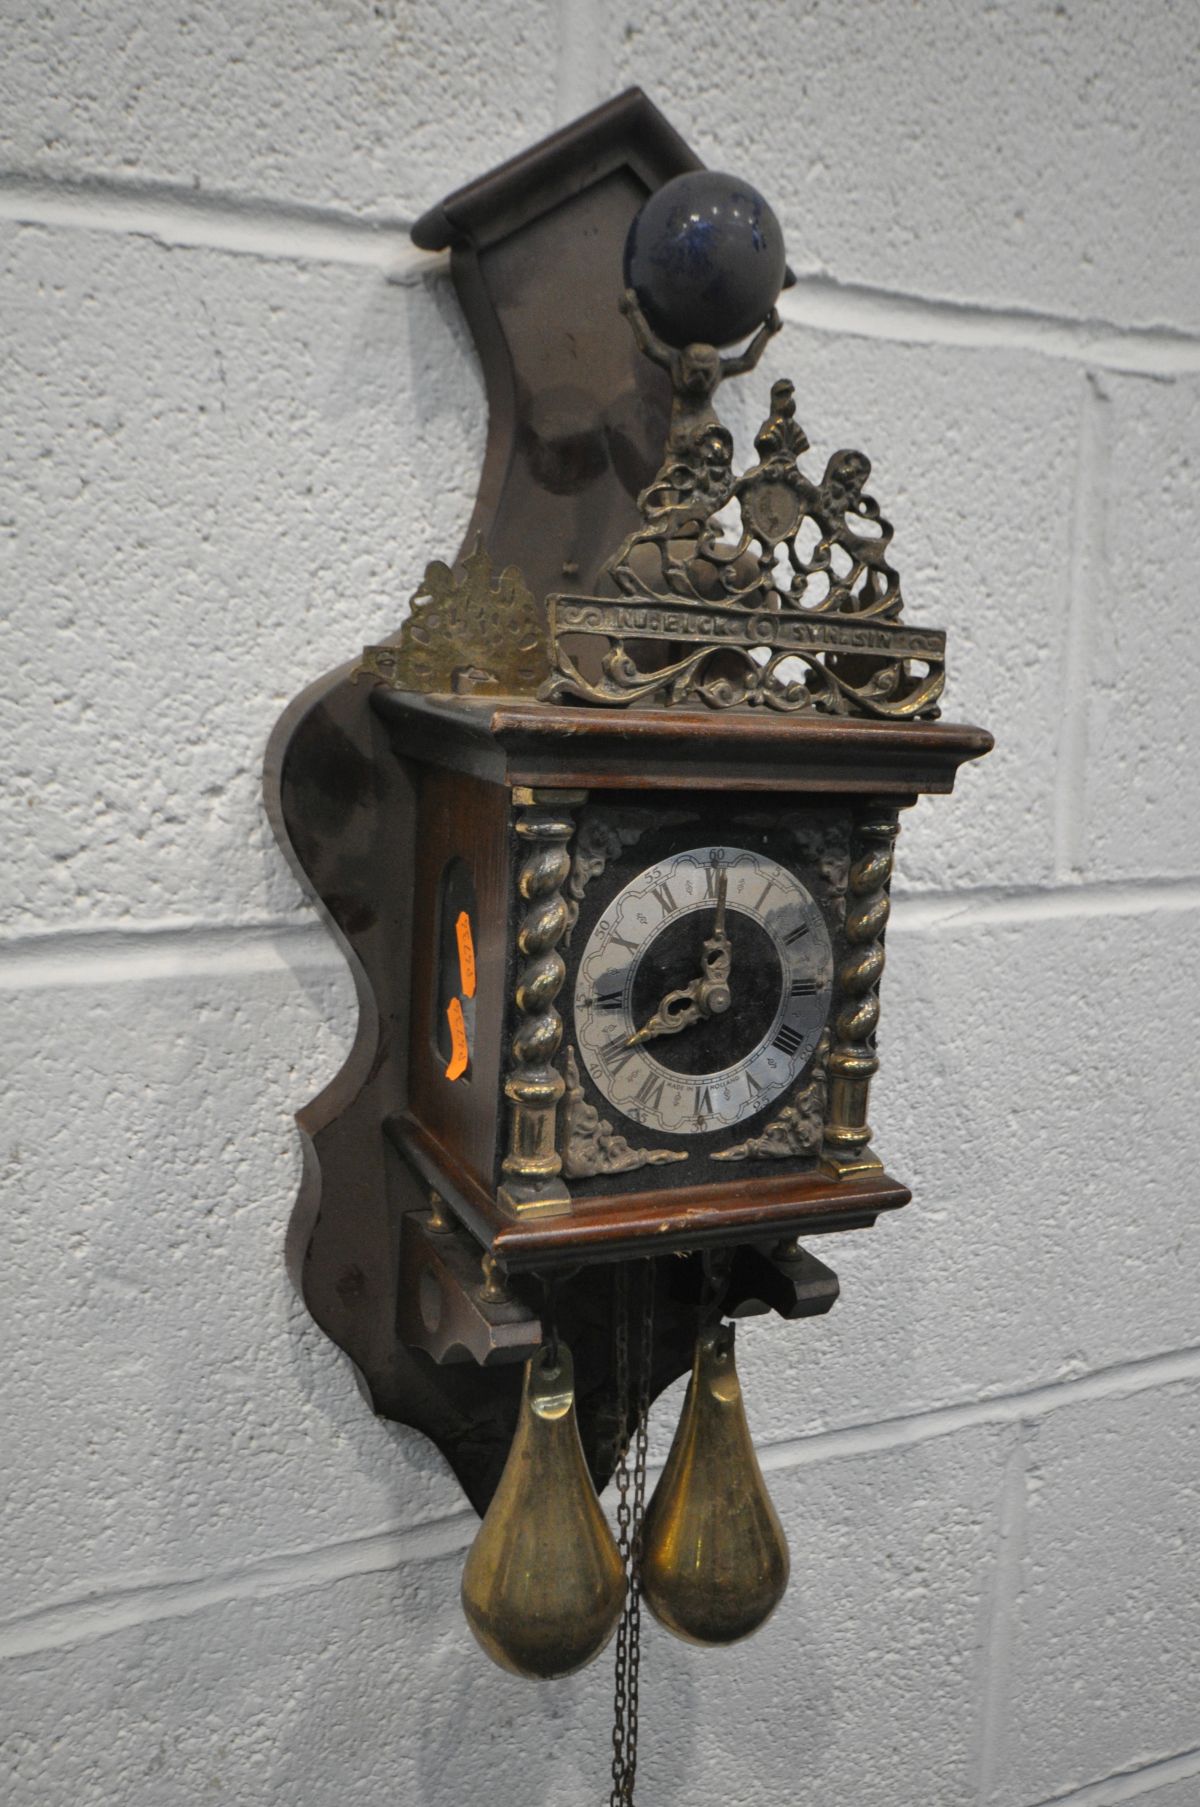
799	609
466	634
773	510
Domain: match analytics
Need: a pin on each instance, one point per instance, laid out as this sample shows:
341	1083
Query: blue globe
705	258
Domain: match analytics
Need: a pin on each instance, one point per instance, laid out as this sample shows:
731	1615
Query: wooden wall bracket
571	441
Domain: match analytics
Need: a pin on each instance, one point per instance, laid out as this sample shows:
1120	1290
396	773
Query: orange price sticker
458	1039
466	954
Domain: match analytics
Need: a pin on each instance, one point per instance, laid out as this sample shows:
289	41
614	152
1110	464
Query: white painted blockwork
371	1679
220	482
381	106
229	444
1136	1464
1024	153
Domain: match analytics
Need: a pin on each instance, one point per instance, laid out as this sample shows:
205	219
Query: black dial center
675	958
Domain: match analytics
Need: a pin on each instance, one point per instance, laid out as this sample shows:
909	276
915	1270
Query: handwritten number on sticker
458	1039
466	954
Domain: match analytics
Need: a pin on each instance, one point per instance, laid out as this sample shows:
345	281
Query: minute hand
715	995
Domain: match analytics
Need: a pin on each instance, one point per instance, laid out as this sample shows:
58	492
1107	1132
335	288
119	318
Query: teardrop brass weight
544	1584
714	1558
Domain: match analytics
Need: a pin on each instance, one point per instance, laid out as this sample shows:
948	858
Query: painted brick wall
240	415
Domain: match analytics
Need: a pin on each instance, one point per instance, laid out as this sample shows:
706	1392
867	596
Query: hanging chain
624	1539
631	1512
641	1439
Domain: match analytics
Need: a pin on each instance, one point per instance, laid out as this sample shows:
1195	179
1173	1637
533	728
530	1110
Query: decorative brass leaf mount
465	635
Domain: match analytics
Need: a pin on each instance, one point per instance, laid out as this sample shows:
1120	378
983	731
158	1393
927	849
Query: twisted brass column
852	1059
533	1166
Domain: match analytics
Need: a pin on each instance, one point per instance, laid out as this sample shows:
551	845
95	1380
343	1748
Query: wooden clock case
400	1243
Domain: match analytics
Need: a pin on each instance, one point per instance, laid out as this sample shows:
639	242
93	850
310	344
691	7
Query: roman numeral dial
702	990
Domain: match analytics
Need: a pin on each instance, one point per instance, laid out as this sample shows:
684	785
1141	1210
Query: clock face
703	990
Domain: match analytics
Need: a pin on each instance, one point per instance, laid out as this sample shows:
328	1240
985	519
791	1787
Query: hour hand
678	1010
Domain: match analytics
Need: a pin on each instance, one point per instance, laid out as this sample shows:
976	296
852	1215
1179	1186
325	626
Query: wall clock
607	830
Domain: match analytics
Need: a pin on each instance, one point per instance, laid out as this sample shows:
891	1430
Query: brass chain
624	1522
631	1514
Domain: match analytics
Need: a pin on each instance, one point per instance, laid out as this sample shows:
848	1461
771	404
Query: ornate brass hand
715	994
678	1010
708	995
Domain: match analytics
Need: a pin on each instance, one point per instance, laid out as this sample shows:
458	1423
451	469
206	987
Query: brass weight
714	1557
544	1584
